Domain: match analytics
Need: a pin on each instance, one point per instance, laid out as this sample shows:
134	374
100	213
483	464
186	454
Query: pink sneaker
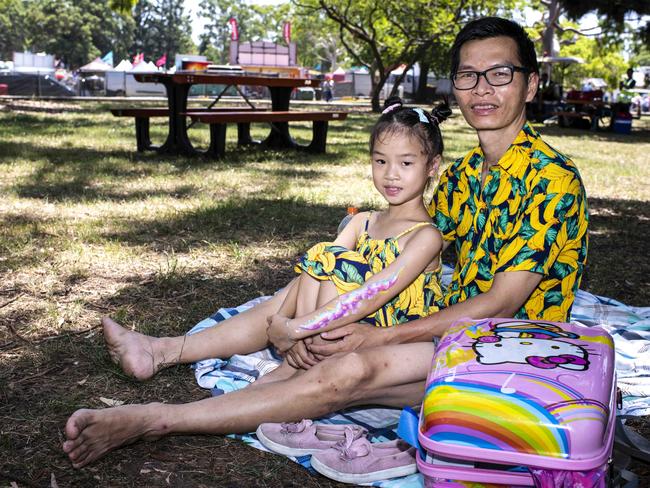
305	437
360	461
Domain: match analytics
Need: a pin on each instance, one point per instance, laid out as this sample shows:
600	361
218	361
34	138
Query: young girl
398	245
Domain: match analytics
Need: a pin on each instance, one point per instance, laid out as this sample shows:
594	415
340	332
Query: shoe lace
350	450
293	427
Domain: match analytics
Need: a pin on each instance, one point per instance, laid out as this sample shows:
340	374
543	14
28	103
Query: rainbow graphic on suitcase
509	401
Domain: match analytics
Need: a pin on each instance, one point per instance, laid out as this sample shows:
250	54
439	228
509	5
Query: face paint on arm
349	303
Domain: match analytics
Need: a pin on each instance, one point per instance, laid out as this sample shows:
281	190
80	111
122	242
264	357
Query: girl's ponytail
441	112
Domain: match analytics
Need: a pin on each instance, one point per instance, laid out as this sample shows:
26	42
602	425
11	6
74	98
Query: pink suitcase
518	403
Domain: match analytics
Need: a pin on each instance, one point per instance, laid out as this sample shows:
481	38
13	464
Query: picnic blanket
629	326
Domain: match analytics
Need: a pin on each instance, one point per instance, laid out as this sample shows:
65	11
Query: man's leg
390	375
143	356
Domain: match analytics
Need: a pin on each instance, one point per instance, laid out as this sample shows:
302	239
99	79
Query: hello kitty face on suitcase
537	344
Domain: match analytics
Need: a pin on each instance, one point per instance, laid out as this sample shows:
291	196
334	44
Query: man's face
487	107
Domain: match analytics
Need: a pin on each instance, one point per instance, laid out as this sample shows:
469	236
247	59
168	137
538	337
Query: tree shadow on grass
61	155
637	136
246	221
19	123
617	263
73	172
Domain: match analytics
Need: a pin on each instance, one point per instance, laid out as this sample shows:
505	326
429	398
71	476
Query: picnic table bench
219	121
142	116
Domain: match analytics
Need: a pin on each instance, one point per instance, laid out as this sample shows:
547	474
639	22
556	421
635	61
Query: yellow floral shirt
530	215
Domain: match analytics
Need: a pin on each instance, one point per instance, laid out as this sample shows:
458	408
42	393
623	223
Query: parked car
34	84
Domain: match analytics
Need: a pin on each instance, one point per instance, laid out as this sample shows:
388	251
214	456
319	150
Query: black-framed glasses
496	76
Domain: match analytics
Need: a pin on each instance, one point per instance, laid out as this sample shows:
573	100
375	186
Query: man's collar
512	161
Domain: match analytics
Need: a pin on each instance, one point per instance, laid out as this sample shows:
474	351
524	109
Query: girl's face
399	168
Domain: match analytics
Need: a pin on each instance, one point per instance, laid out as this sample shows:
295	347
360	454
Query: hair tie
433	116
390	108
421	114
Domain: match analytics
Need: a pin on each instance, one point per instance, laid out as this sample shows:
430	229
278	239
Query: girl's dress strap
367	222
416	226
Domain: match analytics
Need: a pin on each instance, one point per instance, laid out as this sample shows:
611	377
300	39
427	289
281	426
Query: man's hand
278	333
299	356
347	339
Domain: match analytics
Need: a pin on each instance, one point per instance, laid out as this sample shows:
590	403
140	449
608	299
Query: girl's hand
278	333
299	356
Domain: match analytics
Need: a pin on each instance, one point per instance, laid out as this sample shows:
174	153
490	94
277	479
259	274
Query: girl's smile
392	190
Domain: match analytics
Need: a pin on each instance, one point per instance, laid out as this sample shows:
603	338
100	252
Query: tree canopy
377	35
384	35
162	28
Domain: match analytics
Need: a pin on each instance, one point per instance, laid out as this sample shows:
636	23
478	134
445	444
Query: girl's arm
423	246
351	232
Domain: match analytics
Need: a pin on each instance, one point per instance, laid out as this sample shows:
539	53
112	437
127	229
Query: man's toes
83	459
108	322
71	445
77	422
79	453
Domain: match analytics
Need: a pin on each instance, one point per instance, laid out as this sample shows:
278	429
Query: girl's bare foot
92	433
138	355
281	373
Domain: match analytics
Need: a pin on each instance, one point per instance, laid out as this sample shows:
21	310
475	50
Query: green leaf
553	298
352	275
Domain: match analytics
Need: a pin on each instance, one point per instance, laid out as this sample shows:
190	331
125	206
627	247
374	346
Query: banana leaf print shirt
530	215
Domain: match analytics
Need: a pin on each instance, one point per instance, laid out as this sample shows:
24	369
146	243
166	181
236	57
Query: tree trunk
376	85
549	32
421	93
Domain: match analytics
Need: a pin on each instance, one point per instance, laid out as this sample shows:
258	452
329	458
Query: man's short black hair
488	27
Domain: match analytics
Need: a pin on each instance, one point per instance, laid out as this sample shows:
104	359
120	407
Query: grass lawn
90	227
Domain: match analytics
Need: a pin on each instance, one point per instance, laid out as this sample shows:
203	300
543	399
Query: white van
121	84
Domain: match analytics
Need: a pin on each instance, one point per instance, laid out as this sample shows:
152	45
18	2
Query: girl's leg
326	292
308	292
390	375
301	299
143	356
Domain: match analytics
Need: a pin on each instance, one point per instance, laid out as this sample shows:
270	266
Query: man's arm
508	293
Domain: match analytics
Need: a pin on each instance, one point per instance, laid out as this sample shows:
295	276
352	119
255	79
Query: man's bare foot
138	355
92	433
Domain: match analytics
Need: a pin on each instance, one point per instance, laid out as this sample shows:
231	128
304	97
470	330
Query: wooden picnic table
178	86
598	112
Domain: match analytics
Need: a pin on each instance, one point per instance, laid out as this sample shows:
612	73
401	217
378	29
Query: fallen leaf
82	381
53	483
110	402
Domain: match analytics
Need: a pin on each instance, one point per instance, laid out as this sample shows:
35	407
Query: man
628	83
514	208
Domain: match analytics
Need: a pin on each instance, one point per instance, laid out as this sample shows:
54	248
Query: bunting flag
108	58
286	32
234	30
162	61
